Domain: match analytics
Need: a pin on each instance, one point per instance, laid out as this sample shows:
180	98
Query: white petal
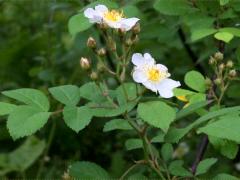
151	86
139	76
94	16
128	23
89	12
101	8
166	86
112	24
161	67
149	59
137	59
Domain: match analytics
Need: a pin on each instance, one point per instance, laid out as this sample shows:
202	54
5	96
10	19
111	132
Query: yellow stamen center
113	15
155	74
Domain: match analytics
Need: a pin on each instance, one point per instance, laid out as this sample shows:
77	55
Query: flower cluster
153	76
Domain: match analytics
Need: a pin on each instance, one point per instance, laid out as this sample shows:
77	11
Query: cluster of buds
224	73
86	64
223	70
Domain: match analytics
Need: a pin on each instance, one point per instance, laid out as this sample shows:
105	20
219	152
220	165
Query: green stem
128	170
49	142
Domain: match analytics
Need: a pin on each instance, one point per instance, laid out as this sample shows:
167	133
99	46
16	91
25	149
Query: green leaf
108	110
223	2
231	30
30	97
131	11
175	134
191	109
157	114
167	151
225	147
6	108
224	36
224	176
205	165
109	3
133	144
229	124
25	120
159	138
77	118
137	176
182	92
176	168
78	23
202	33
67	94
127	91
87	170
92	92
195	80
198	20
23	157
198	97
173	7
117	124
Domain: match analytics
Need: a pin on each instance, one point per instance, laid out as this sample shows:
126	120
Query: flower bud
136	29
212	60
113	46
101	52
218	81
94	76
129	42
91	43
100	67
135	39
66	176
208	82
218	56
103	26
229	64
221	66
84	63
232	73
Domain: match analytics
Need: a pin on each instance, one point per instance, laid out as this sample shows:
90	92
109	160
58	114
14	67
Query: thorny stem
201	150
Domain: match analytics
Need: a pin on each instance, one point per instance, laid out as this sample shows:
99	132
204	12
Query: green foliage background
37	51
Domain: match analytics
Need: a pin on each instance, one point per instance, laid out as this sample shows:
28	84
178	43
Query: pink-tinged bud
84	63
91	43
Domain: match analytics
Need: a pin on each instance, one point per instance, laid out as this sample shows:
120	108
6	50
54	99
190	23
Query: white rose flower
153	76
113	18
